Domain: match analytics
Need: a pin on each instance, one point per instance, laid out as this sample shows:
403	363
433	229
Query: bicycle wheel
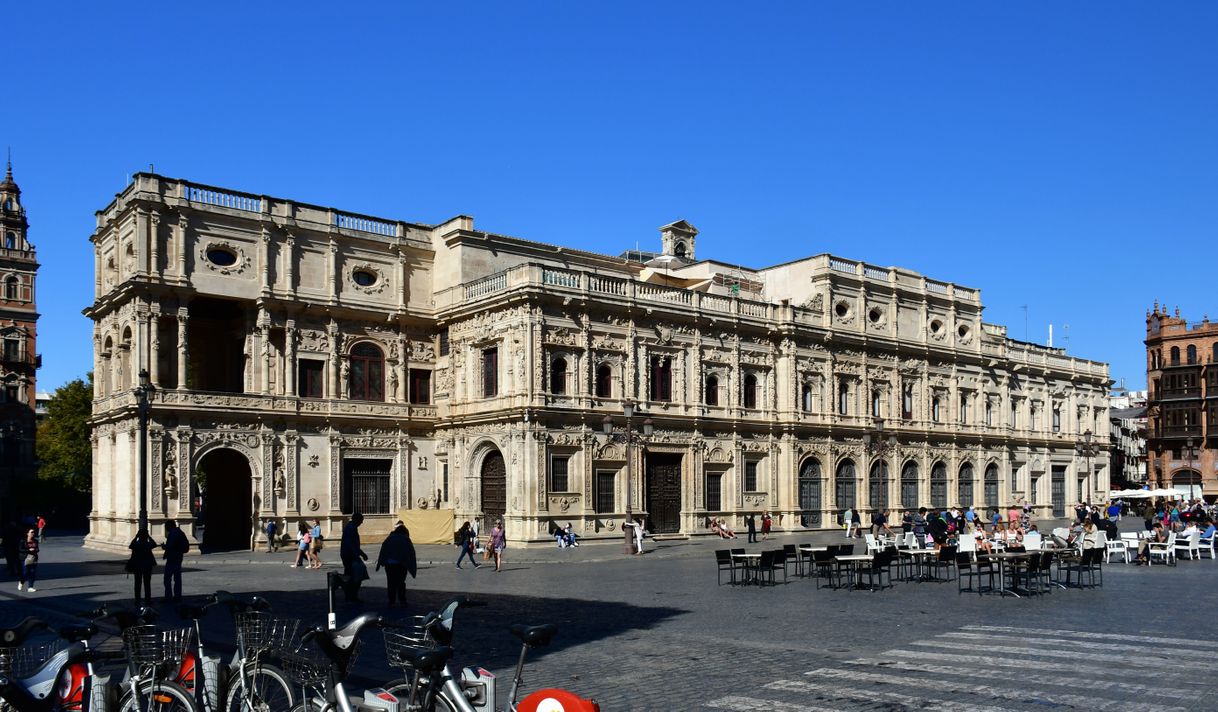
159	696
266	689
312	704
400	688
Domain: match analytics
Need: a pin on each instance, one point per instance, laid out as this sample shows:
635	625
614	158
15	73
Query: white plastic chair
1033	541
967	545
1206	544
1166	550
1120	547
1191	546
873	546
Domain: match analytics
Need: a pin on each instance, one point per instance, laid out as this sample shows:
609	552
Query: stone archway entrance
494	489
227	501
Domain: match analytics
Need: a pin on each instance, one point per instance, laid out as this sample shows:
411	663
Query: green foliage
65	453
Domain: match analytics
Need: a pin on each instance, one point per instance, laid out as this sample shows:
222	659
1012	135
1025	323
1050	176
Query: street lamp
630	438
1192	456
142	392
878	446
1089	450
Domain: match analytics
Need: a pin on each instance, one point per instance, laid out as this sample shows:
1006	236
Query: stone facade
310	361
1182	405
19	359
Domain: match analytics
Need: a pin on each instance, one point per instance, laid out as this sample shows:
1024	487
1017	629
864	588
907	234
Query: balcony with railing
1180	393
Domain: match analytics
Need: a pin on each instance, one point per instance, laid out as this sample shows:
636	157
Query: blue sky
1042	152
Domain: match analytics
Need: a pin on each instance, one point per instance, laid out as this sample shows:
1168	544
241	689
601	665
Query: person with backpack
176	545
398	557
29	562
272	543
465	543
315	545
141	564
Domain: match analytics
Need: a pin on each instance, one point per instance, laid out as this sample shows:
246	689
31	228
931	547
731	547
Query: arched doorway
494	489
1186	482
844	486
225	493
877	486
991	485
809	493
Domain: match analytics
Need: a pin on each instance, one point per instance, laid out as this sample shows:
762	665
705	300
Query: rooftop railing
222	198
362	223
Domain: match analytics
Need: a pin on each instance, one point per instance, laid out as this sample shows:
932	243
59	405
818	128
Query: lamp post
1088	450
630	438
878	445
1192	456
142	392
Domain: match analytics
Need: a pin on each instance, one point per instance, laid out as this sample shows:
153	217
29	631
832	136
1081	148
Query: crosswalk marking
1086	645
1090	672
1004	667
903	701
984	670
1089	656
756	704
1022	697
1203	644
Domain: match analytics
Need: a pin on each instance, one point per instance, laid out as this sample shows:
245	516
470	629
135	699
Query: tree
65	452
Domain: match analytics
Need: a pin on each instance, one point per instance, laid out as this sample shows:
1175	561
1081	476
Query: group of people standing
142	562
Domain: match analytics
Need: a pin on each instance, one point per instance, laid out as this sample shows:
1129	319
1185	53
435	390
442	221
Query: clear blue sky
1044	152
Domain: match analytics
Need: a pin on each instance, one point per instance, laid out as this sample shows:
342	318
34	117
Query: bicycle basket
400	640
304	670
149	646
259	631
22	662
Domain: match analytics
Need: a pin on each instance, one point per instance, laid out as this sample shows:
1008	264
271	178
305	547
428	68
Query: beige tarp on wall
428	526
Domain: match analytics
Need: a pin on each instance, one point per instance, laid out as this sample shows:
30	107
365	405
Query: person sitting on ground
725	530
571	537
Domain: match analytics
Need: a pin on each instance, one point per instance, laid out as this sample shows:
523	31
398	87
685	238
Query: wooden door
663	503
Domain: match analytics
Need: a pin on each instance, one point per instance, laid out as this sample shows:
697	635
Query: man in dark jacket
351	554
398	557
176	545
751	522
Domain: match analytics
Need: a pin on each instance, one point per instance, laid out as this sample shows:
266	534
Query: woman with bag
498	544
303	539
29	562
465	542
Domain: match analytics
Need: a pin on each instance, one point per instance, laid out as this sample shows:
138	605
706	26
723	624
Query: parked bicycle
250	682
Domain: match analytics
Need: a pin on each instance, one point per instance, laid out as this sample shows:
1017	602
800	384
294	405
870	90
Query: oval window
875	315
936	326
962	331
221	257
363	277
841	309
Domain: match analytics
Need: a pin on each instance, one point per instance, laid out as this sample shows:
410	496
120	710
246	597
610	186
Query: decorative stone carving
815	303
237	267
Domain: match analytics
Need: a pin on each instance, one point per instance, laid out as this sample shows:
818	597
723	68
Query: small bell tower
677	240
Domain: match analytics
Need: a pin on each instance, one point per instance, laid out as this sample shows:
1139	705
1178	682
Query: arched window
844	486
989	412
1175	355
938	486
11	287
750	391
679	250
907	402
711	396
10	240
843	397
991	485
604	381
934	409
1154	360
963	408
805	398
809	493
965	486
875	403
909	485
366	380
877	485
558	376
1191	354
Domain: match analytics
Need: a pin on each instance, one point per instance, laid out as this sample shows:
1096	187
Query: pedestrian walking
847	520
353	558
919	527
141	564
767	522
856	522
29	562
398	557
12	547
499	543
42	525
303	538
272	541
176	545
751	523
316	539
465	543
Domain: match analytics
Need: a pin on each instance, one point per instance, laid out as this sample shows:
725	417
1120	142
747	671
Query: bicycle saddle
77	633
12	637
188	611
536	636
345	637
427	660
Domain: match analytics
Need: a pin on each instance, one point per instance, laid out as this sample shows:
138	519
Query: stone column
289	361
264	261
154	357
183	223
154	237
183	315
289	258
401	281
332	270
141	237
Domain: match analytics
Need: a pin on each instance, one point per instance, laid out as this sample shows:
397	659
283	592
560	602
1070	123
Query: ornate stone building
308	362
1182	403
19	359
